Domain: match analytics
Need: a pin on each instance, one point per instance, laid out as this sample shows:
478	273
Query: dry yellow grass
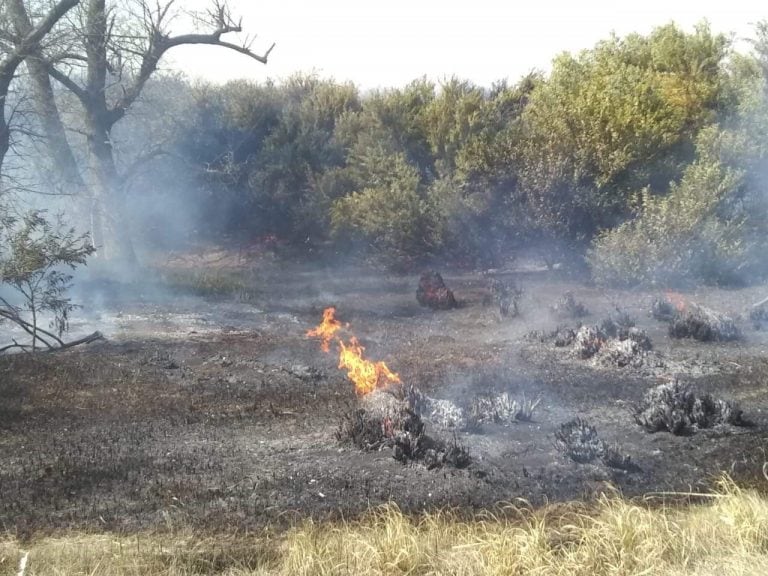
726	535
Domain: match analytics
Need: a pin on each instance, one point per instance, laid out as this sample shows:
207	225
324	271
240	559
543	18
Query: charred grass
216	454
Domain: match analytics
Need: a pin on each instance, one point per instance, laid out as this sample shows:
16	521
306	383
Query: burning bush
675	407
367	376
700	323
588	341
578	440
690	320
433	293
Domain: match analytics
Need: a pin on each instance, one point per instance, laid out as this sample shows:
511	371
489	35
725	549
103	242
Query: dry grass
727	535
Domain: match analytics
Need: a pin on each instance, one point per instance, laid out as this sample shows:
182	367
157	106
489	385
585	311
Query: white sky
389	43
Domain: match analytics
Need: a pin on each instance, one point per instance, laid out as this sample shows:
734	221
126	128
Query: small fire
677	300
327	329
367	376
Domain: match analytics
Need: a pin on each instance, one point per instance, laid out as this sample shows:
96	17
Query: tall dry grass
725	535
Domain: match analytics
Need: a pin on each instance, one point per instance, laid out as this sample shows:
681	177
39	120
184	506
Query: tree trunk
5	130
106	184
108	195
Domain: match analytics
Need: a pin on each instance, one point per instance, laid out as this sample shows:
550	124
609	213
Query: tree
111	53
15	46
391	215
32	253
615	119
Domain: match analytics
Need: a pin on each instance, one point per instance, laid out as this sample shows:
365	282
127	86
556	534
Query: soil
223	414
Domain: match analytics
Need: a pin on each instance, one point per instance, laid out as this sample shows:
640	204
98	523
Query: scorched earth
225	413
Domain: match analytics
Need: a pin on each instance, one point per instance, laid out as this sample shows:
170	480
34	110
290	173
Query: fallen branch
84	340
63	346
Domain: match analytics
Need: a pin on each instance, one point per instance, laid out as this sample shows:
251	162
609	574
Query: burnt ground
221	414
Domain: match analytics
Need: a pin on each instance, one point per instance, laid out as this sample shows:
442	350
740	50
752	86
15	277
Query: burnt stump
433	293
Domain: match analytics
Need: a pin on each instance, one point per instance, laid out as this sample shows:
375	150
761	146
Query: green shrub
392	217
685	234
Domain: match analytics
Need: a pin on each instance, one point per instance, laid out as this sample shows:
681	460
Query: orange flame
366	375
327	329
677	300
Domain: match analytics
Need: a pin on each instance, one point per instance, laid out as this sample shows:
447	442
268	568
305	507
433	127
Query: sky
389	43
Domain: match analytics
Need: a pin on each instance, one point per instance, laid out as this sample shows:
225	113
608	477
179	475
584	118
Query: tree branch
44	26
160	43
68	83
213	40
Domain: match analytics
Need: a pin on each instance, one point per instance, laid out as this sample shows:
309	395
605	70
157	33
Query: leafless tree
112	52
15	47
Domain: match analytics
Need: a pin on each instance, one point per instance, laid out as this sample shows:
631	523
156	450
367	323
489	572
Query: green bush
392	217
685	234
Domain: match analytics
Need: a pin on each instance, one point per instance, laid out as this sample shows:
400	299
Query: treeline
646	155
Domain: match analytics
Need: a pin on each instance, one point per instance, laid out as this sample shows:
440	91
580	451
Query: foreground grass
727	535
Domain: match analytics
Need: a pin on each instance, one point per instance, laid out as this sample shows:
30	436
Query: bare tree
119	51
14	49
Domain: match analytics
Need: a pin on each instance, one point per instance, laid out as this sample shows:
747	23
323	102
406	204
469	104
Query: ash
579	440
674	407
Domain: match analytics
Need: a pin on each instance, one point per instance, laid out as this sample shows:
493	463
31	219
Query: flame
677	300
367	376
327	329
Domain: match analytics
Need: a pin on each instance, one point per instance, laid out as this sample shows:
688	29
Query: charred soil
223	414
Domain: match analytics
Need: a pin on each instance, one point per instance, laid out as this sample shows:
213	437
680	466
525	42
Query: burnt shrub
386	425
703	324
579	440
675	407
568	307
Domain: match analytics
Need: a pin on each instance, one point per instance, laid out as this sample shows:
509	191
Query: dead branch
159	42
84	340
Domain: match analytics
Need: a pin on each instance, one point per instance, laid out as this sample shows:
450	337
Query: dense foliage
646	154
